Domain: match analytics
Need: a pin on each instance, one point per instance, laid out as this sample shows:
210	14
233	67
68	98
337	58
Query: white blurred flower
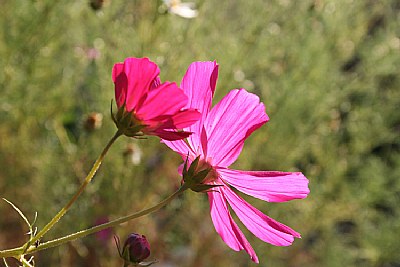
184	10
133	154
93	121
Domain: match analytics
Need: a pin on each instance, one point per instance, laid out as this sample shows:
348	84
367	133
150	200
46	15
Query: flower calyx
196	175
127	123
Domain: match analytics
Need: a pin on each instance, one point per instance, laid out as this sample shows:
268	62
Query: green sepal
112	113
193	167
126	123
126	255
201	175
185	171
200	188
120	113
126	120
134	131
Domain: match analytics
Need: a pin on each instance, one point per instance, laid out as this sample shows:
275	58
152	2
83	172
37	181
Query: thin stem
13	252
25	262
56	242
87	180
83	233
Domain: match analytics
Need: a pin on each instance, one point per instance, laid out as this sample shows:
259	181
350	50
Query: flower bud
136	248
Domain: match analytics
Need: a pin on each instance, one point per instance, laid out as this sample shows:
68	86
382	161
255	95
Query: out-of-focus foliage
328	72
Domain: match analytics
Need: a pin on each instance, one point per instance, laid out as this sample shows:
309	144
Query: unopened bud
136	249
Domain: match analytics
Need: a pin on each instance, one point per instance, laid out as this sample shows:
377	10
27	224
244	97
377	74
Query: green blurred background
327	71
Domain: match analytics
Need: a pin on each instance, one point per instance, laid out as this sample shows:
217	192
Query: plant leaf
19	212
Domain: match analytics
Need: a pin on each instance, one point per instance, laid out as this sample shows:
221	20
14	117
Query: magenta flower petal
217	139
270	186
258	223
149	106
226	226
134	77
180	120
121	83
180	147
167	99
156	83
170	135
230	122
199	85
184	118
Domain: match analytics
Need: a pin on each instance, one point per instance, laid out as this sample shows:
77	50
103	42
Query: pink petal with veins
199	85
262	226
230	122
134	77
272	186
165	100
226	227
180	147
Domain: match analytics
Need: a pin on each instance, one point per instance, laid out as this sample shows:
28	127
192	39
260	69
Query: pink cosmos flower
155	108
218	139
105	235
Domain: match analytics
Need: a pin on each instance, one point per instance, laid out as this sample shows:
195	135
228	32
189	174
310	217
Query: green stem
97	228
13	252
24	262
56	242
87	180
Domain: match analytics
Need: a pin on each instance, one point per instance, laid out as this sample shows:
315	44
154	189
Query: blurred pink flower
104	235
218	139
156	108
93	53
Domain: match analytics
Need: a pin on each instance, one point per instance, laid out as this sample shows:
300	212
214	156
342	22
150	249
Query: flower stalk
87	180
59	241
